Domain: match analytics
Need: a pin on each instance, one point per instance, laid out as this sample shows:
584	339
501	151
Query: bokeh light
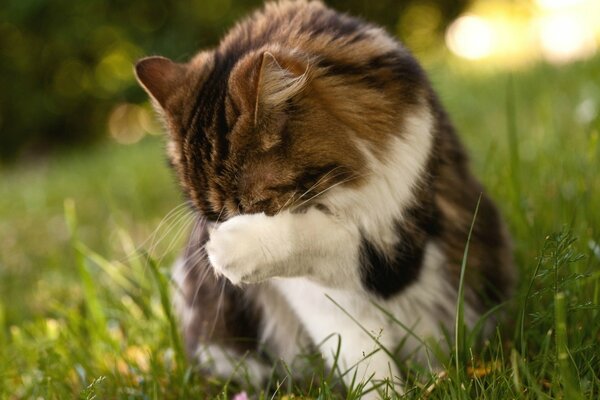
129	123
518	33
470	37
564	38
556	4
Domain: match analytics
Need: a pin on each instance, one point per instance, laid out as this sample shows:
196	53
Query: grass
84	293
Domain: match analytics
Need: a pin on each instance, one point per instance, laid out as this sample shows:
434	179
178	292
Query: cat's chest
324	311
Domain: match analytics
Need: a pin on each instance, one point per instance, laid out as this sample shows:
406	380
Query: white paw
236	249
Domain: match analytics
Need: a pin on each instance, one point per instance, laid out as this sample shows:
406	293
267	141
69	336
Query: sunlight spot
555	4
586	111
517	33
126	123
470	37
565	38
52	328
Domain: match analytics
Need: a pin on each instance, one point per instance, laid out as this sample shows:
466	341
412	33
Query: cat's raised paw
236	249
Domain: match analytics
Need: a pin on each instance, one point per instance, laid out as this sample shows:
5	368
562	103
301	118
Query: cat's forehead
206	87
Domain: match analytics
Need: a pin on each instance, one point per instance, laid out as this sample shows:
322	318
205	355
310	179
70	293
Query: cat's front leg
255	247
247	248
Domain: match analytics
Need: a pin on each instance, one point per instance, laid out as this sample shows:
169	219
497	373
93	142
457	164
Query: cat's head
254	134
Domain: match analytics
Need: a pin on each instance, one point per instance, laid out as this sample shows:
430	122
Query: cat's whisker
205	275
193	260
218	310
329	188
185	225
196	256
174	220
198	286
182	217
314	186
352	177
320	180
218	219
135	253
165	221
200	282
287	202
199	255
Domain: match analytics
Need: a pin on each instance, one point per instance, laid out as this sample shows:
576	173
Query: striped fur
324	171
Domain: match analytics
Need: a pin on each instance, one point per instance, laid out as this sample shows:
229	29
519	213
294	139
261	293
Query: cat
328	184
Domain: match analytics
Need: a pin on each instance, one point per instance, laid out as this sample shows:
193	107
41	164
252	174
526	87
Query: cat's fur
326	178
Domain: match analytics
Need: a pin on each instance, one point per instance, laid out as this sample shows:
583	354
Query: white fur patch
283	335
423	308
376	206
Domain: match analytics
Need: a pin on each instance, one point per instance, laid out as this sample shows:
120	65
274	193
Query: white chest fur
356	318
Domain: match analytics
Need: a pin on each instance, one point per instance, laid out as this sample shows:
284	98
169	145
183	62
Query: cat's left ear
279	80
160	77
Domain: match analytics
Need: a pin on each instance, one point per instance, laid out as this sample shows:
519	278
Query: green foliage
67	64
70	62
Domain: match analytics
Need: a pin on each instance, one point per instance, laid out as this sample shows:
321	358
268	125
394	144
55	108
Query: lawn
87	237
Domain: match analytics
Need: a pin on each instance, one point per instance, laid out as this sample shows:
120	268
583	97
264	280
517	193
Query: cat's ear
277	83
160	77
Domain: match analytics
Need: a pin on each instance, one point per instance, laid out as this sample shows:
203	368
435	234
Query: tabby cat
328	184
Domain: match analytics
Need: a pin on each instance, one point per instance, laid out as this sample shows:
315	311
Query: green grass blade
459	323
513	142
3	327
97	318
165	301
365	330
571	390
523	308
114	272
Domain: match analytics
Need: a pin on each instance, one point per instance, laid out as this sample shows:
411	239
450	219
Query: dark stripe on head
377	72
207	141
336	25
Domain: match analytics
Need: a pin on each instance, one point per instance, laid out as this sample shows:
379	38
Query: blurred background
66	67
520	78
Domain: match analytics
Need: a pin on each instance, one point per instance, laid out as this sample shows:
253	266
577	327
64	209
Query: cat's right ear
278	81
160	77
